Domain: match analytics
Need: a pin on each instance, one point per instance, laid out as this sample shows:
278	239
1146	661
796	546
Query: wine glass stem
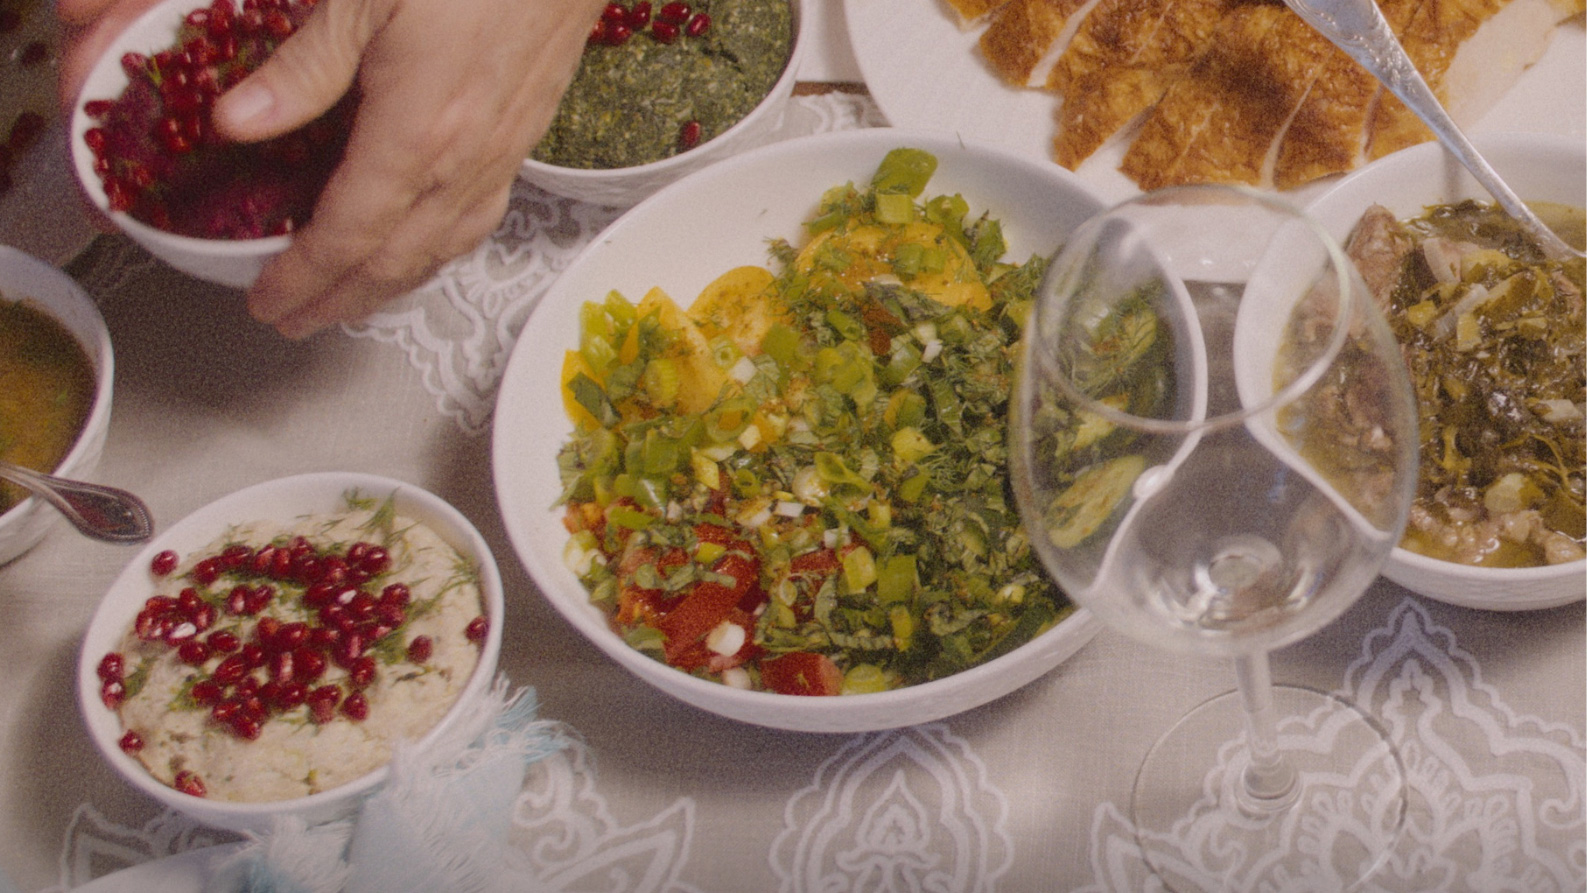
1269	782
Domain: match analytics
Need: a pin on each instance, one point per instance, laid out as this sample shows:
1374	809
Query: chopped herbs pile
799	485
647	97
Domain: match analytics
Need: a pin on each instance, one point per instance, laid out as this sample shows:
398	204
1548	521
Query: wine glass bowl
1213	445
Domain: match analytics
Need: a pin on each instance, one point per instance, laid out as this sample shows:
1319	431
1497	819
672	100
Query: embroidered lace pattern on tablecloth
918	810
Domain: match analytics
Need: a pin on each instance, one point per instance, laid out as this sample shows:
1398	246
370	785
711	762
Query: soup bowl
45	289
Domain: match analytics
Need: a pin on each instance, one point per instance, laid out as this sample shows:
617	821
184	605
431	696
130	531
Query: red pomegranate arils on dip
278	637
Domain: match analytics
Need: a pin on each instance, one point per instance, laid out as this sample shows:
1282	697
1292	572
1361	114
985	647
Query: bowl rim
781	86
848	713
202	526
152	31
99	352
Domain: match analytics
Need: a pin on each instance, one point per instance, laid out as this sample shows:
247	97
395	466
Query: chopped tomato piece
818	561
801	673
708	603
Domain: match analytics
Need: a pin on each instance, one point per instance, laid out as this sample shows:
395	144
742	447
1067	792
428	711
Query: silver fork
1358	28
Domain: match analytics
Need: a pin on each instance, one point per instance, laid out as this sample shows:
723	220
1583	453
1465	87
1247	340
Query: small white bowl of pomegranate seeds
265	655
148	156
666	88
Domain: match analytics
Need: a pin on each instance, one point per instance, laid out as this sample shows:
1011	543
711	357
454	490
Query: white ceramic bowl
281	500
231	262
623	187
682	238
28	279
1539	167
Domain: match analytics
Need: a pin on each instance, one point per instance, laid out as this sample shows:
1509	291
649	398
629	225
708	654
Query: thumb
303	78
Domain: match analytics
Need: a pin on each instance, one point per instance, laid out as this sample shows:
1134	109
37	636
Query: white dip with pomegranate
284	660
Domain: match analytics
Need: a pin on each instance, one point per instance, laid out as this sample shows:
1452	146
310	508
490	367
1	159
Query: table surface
1027	793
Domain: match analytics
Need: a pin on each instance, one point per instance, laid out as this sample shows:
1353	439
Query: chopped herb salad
799	484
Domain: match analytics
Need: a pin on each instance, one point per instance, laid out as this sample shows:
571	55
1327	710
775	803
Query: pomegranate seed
396	594
356	707
113	693
638	16
111	666
322	638
224	641
322	703
674	13
178	631
165	561
420	649
247	687
188	601
231	670
698	25
617	34
390	616
203	617
136	65
258	598
131	742
193	652
276	23
477	629
376	561
253	655
188	782
225	711
265	633
246	727
613	12
283	666
291	695
206	571
361	672
307	665
33	54
206	692
348	649
160	604
664	32
235	556
689	135
97	108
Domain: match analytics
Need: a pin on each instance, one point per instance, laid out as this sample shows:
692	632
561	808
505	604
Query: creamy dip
171	712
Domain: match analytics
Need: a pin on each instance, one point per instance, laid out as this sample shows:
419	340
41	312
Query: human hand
453	95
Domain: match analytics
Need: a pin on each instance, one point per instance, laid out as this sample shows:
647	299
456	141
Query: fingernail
248	102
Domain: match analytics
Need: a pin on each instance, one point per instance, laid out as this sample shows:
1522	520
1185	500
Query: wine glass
1213	446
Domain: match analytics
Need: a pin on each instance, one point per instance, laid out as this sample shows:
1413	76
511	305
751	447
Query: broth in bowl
47	387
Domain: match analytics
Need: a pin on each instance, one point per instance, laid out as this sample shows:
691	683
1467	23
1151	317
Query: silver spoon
104	513
1358	28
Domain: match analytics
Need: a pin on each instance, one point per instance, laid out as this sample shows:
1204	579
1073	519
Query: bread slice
1024	37
1221	121
1120	62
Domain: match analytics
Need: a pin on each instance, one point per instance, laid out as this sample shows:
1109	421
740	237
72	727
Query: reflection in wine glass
1214	448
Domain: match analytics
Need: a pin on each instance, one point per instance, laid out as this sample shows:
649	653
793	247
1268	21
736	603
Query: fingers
303	78
452	96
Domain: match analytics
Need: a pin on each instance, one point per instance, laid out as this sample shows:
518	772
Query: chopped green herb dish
799	484
659	79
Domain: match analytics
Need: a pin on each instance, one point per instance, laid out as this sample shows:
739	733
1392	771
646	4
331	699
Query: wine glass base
1341	823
